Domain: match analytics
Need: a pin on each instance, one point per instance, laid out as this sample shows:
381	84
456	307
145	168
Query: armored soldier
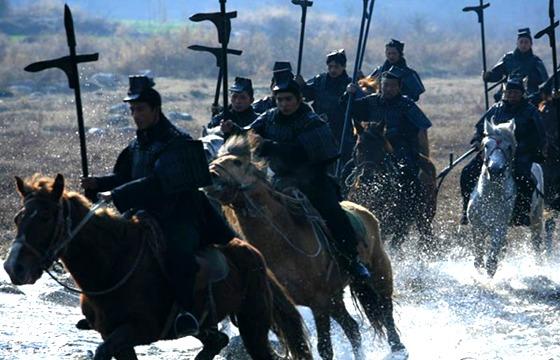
300	146
531	144
240	111
281	69
519	63
160	172
325	90
406	125
411	83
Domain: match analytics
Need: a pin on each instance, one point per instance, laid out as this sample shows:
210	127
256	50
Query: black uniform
403	120
264	104
531	139
155	173
299	148
241	119
325	93
518	64
411	83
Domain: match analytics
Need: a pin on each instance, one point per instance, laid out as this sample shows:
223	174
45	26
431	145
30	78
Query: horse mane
43	185
503	131
243	145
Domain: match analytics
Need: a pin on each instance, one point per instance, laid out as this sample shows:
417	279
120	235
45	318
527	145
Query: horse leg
537	229
478	243
323	326
550	226
126	354
349	326
426	241
213	342
254	333
120	341
496	246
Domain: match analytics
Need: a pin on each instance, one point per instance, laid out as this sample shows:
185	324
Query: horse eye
237	162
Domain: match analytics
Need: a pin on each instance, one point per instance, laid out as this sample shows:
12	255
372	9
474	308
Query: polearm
217	52
69	64
452	164
222	21
365	39
550	30
480	13
348	113
304	5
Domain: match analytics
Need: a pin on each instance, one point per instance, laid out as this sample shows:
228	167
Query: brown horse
295	251
125	296
375	183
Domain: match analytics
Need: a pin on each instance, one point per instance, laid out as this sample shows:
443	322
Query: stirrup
186	324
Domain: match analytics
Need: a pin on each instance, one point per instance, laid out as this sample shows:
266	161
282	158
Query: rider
325	91
406	125
240	111
531	144
520	63
411	83
160	172
300	146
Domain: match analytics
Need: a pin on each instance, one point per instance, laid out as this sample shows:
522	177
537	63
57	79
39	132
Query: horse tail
288	322
374	305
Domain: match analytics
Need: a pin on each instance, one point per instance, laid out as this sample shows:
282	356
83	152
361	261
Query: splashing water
444	309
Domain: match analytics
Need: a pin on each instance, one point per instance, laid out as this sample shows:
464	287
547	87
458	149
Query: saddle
212	262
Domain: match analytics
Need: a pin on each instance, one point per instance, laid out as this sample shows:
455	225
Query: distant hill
503	16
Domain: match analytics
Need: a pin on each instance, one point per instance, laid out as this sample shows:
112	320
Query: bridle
61	237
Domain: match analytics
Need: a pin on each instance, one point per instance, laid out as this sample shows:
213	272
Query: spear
69	64
304	5
479	10
550	30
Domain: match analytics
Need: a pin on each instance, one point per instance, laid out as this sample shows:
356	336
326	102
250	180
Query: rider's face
512	96
335	69
240	101
392	54
390	88
287	103
524	44
144	115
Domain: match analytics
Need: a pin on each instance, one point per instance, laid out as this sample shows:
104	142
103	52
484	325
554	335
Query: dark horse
551	171
136	305
376	184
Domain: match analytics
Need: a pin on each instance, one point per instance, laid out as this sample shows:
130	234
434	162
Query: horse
375	183
492	201
284	228
551	171
124	292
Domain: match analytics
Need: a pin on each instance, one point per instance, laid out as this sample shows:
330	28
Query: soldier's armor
515	63
412	85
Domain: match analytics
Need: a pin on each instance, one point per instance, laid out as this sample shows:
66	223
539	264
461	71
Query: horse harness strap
64	227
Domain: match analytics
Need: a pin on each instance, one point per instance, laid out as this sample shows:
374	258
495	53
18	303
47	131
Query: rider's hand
216	109
299	79
105	195
476	144
227	126
88	183
352	88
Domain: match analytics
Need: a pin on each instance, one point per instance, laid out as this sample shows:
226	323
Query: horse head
499	148
235	169
40	228
371	144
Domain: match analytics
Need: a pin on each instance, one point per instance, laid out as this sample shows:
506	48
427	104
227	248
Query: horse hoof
491	267
397	347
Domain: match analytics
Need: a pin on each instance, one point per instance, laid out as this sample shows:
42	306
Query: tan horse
136	303
295	252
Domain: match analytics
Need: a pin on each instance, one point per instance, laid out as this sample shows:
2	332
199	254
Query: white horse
491	204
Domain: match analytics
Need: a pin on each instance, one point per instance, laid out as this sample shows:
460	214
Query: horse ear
22	187
488	128
58	187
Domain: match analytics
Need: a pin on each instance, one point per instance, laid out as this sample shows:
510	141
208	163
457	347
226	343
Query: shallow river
445	310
